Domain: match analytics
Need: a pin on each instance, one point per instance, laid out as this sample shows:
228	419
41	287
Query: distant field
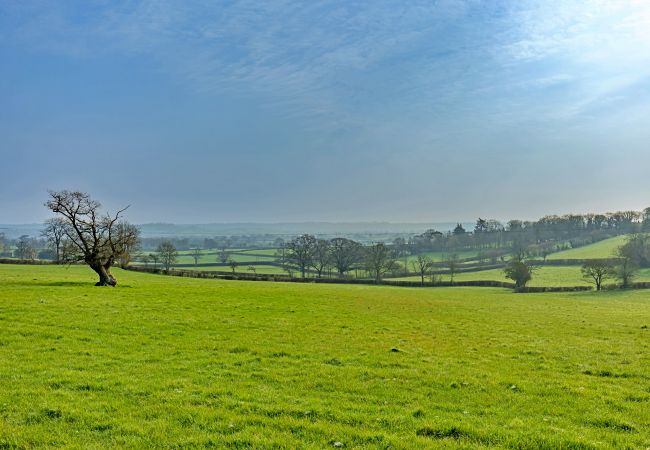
212	251
442	256
170	362
263	251
542	276
601	249
242	269
211	256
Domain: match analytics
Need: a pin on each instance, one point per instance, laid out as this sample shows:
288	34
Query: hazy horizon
276	112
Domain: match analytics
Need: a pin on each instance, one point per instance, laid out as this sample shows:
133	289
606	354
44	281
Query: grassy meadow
543	276
602	249
172	362
242	268
547	276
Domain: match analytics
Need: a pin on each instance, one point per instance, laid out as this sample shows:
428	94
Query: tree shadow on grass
81	283
63	284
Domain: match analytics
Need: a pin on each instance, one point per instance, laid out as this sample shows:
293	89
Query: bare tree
344	254
289	269
401	250
128	247
196	254
321	256
233	265
97	238
596	271
453	264
223	256
145	260
281	257
626	269
300	251
54	233
154	259
422	265
379	260
24	248
167	254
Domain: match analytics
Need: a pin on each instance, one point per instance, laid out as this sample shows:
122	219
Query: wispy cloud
339	64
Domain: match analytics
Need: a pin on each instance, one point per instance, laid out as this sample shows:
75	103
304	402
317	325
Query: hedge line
286	278
33	262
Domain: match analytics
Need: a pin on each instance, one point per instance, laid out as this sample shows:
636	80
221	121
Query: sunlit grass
602	249
186	363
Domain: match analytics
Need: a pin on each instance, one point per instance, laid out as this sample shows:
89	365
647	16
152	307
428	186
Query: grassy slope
441	256
172	362
601	249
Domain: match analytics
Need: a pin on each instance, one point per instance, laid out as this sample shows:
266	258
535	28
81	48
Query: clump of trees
25	249
536	238
88	235
306	252
422	266
54	234
379	259
344	254
520	271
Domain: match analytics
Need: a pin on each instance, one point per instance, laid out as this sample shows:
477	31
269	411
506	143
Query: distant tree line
339	256
514	244
534	238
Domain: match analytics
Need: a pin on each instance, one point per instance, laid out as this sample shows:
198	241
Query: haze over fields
350	224
277	111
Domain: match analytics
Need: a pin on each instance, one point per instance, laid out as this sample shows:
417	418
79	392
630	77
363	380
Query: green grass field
172	362
263	251
543	276
440	256
602	249
242	268
186	259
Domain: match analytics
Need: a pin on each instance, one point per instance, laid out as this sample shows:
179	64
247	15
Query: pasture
602	249
186	363
543	276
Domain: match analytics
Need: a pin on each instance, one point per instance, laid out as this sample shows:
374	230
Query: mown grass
187	363
602	249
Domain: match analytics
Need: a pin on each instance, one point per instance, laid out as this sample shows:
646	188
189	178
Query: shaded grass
189	363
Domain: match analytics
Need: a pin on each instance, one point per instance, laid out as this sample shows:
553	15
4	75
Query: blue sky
222	111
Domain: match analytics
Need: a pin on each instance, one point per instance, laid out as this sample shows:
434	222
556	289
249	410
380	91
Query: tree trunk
105	277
